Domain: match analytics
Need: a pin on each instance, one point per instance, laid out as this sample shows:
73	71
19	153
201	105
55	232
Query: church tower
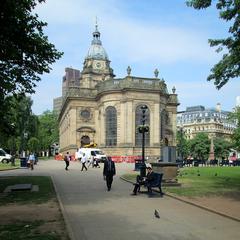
96	66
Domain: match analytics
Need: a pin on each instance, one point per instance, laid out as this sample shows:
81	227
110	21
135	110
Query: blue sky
145	35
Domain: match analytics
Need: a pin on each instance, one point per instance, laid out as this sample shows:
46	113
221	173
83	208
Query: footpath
92	213
228	207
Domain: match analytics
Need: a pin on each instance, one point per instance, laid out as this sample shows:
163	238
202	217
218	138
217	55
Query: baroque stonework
99	108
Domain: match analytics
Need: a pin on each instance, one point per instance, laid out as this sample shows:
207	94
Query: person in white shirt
83	161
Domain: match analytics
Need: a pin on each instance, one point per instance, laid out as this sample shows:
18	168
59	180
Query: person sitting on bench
146	181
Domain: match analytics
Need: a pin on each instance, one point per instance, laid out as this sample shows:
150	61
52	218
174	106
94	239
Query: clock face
99	65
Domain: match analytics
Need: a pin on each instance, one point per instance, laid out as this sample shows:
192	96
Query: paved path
93	213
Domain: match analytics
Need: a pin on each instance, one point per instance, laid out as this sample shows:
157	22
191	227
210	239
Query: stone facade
213	122
104	110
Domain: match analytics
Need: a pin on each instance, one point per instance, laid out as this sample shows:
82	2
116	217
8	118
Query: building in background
98	108
212	121
57	105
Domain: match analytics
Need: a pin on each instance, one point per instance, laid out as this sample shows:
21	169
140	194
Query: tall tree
235	116
48	130
229	66
182	145
25	50
221	147
200	146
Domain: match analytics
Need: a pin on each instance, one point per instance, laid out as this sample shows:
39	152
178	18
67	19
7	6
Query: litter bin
138	164
23	162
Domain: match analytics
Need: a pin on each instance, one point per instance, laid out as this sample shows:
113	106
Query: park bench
157	183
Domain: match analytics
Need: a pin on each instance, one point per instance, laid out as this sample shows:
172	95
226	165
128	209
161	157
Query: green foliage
25	50
228	67
183	147
200	146
221	147
48	130
26	53
33	145
235	116
18	121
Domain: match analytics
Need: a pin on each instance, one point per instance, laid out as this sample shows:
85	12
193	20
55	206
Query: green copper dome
96	50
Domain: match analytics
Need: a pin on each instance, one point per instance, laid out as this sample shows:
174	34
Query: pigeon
156	213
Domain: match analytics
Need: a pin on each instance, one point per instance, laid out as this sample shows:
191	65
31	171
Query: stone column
155	125
129	124
121	119
73	126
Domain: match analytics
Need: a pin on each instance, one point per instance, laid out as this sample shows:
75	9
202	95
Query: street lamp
181	145
143	129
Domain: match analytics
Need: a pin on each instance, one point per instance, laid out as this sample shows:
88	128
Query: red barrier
58	157
127	159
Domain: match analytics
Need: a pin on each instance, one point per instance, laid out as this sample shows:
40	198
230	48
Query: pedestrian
67	160
109	171
31	159
83	161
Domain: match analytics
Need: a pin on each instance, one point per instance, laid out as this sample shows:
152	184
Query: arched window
111	126
138	122
163	123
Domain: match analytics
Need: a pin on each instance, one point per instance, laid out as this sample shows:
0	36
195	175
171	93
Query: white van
93	153
5	157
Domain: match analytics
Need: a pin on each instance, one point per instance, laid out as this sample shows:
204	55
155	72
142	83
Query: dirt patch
49	213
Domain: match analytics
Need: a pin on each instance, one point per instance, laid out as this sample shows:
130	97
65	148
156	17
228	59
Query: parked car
5	157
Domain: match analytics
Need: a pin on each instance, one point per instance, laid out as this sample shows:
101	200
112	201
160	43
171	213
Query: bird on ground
156	213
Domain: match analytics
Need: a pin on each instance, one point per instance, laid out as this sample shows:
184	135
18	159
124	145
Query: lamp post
143	129
181	145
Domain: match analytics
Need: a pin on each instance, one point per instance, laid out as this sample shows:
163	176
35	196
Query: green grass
205	181
25	230
45	193
8	166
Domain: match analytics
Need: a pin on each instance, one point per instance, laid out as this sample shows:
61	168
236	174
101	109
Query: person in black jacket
109	171
150	177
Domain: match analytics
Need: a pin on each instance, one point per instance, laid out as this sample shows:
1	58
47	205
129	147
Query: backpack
65	158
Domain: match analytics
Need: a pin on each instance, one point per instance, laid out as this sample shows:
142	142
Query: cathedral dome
96	50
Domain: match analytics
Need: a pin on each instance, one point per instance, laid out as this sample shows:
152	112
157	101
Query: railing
134	83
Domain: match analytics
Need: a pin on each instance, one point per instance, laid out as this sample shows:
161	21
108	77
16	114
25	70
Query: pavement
91	212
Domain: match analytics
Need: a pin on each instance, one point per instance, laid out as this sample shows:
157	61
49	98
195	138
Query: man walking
108	172
83	161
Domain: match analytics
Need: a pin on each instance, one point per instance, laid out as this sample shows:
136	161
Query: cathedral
107	112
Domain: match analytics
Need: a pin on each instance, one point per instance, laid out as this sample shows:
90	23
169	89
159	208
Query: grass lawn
25	230
7	166
45	193
36	215
204	181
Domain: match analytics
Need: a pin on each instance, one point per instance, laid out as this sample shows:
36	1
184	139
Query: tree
33	145
25	50
235	116
23	124
200	146
229	66
182	145
48	130
221	147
